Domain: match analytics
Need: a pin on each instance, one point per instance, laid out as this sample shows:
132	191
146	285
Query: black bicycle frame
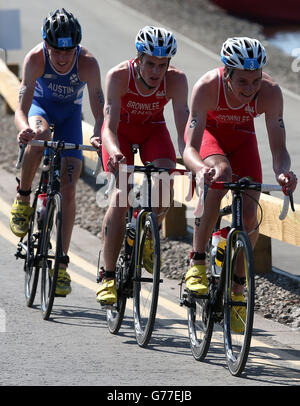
236	210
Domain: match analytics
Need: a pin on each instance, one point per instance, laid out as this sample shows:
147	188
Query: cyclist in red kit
136	93
221	141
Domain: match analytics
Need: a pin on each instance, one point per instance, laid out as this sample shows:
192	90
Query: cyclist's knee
224	173
68	191
250	218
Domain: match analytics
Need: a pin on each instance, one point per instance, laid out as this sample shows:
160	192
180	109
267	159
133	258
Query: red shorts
239	147
153	139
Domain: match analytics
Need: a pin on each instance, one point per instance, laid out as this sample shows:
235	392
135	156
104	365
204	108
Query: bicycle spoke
52	252
31	265
147	274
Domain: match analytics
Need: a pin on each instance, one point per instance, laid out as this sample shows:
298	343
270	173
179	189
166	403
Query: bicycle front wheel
238	310
115	315
146	280
31	264
51	253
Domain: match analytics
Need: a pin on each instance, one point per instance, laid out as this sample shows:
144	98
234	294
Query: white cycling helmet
156	41
243	53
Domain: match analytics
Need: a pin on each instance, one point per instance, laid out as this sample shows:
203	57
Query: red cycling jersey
238	118
230	132
138	108
142	122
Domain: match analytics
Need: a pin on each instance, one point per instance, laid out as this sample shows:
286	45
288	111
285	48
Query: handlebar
58	145
246	184
147	169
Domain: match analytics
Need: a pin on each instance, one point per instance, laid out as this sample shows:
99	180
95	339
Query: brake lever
291	200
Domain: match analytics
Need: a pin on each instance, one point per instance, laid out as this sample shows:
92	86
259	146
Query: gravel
277	296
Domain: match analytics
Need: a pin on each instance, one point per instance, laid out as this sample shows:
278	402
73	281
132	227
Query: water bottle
215	241
220	254
131	229
41	207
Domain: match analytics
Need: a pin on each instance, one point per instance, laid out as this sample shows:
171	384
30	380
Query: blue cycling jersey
58	99
58	87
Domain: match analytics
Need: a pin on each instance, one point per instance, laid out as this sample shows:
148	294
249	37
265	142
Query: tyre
237	338
146	284
51	253
115	315
200	317
200	326
31	264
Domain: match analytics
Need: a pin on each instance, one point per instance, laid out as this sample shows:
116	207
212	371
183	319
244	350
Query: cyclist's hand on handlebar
26	135
288	181
207	174
115	161
96	142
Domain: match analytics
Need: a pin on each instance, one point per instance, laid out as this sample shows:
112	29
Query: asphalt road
75	348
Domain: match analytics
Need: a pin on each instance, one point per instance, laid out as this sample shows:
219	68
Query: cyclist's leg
213	155
21	210
245	161
158	148
39	122
67	128
70	173
113	225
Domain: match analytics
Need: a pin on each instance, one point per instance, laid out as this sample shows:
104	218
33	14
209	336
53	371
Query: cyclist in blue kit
55	73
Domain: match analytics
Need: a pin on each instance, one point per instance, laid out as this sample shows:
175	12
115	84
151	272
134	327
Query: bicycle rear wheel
51	253
31	264
200	325
146	285
237	337
200	316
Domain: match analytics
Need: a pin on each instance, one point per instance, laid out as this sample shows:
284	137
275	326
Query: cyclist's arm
116	86
202	101
273	105
90	73
32	68
179	88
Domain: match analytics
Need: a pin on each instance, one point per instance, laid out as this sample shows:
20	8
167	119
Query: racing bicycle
133	280
216	306
41	248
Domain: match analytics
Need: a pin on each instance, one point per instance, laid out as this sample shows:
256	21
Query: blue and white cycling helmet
243	53
156	41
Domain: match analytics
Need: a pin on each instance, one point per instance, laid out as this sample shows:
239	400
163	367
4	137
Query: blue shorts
66	118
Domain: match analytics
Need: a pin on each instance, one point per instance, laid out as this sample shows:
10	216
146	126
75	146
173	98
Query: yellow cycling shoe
238	315
19	218
107	294
196	280
63	283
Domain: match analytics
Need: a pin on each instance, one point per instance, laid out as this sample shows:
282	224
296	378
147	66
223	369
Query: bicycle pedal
57	295
184	302
105	306
195	296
